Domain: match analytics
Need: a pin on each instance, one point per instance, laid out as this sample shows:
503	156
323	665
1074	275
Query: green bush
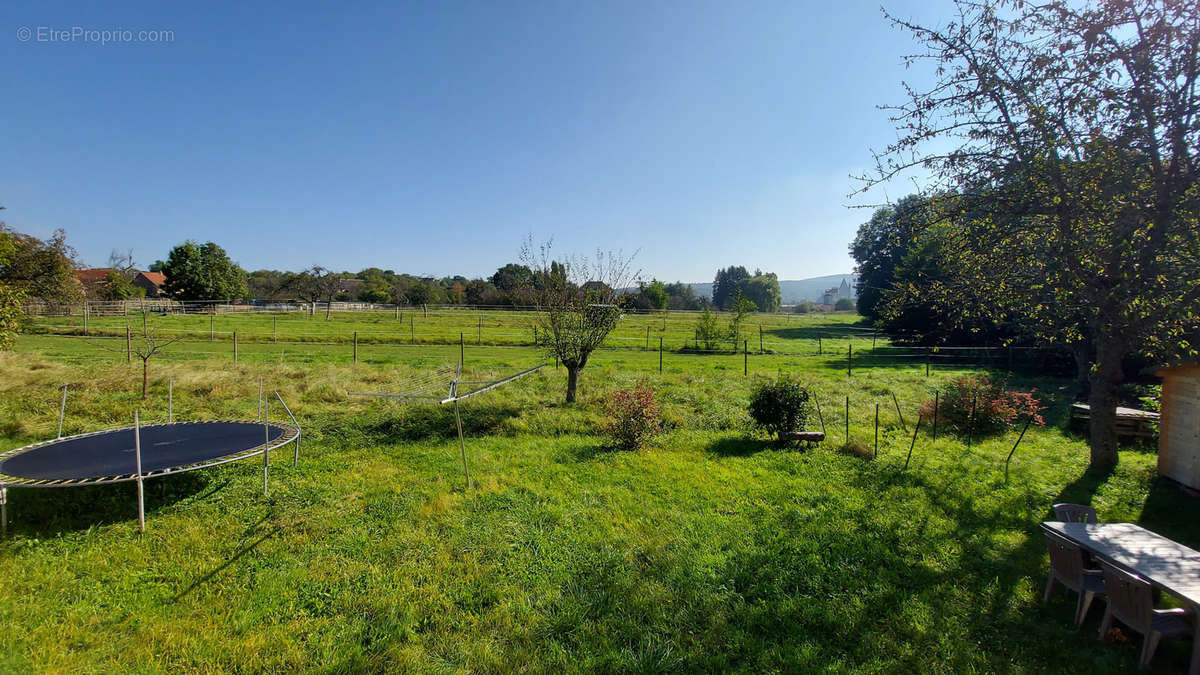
779	406
843	305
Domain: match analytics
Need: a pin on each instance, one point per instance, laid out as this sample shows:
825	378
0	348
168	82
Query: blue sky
432	138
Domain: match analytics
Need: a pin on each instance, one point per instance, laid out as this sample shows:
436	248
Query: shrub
805	307
633	417
708	332
843	305
779	406
995	408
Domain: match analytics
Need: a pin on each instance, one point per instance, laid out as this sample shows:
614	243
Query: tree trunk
1083	368
145	377
1105	382
572	381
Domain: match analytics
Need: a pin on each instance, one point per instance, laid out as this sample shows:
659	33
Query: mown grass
711	550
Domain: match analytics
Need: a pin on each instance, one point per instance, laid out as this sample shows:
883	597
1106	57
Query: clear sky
432	137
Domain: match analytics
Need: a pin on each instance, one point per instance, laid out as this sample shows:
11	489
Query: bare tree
123	263
145	347
576	300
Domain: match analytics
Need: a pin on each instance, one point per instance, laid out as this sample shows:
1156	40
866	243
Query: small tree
145	347
318	284
843	305
576	303
708	330
779	406
740	307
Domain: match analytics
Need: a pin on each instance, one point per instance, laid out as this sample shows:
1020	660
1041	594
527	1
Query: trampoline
140	452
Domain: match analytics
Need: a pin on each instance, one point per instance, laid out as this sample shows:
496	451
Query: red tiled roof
156	278
91	276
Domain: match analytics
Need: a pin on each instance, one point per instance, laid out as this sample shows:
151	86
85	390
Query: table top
1168	564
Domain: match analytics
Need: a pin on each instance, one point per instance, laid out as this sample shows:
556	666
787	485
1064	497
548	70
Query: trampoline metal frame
291	432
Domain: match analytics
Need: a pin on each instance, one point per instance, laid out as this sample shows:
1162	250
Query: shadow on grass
38	512
740	446
436	422
246	548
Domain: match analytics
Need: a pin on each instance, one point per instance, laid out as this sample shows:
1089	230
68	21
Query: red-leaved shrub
633	417
995	408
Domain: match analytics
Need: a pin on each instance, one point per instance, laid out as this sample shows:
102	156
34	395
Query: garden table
1166	564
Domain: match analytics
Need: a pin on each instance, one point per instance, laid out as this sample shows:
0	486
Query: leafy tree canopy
203	272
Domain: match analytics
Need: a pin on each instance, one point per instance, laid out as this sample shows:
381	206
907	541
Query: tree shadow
437	422
35	512
740	446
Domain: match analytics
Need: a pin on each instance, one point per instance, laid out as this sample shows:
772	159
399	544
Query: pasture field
711	550
795	333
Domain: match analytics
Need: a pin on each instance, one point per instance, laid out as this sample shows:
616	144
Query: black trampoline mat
111	453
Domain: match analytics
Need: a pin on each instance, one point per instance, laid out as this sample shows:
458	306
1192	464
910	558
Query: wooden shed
1179	431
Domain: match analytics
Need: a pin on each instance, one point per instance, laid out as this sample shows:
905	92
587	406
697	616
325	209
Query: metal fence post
356	346
128	345
660	355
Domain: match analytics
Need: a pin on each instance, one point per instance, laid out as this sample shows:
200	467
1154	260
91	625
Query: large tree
1071	133
763	290
10	296
41	270
880	244
576	303
726	284
203	272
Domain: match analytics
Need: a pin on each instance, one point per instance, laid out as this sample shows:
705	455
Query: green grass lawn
711	550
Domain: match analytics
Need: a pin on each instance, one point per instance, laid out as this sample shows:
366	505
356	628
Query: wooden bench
1131	423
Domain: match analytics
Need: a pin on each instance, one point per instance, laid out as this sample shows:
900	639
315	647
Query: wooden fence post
275	329
356	346
128	345
745	357
479	328
212	320
660	355
849	358
235	354
760	342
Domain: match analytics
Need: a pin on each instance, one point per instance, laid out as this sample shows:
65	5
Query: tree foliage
727	283
203	272
11	297
1074	138
40	270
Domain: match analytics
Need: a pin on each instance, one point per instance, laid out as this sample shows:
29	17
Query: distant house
91	277
830	297
152	282
845	291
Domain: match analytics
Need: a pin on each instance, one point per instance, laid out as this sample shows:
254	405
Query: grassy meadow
710	550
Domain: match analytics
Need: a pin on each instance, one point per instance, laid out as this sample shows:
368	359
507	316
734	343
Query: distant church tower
844	290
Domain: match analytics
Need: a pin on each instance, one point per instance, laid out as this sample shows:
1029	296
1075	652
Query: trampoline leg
137	448
3	512
462	446
266	441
